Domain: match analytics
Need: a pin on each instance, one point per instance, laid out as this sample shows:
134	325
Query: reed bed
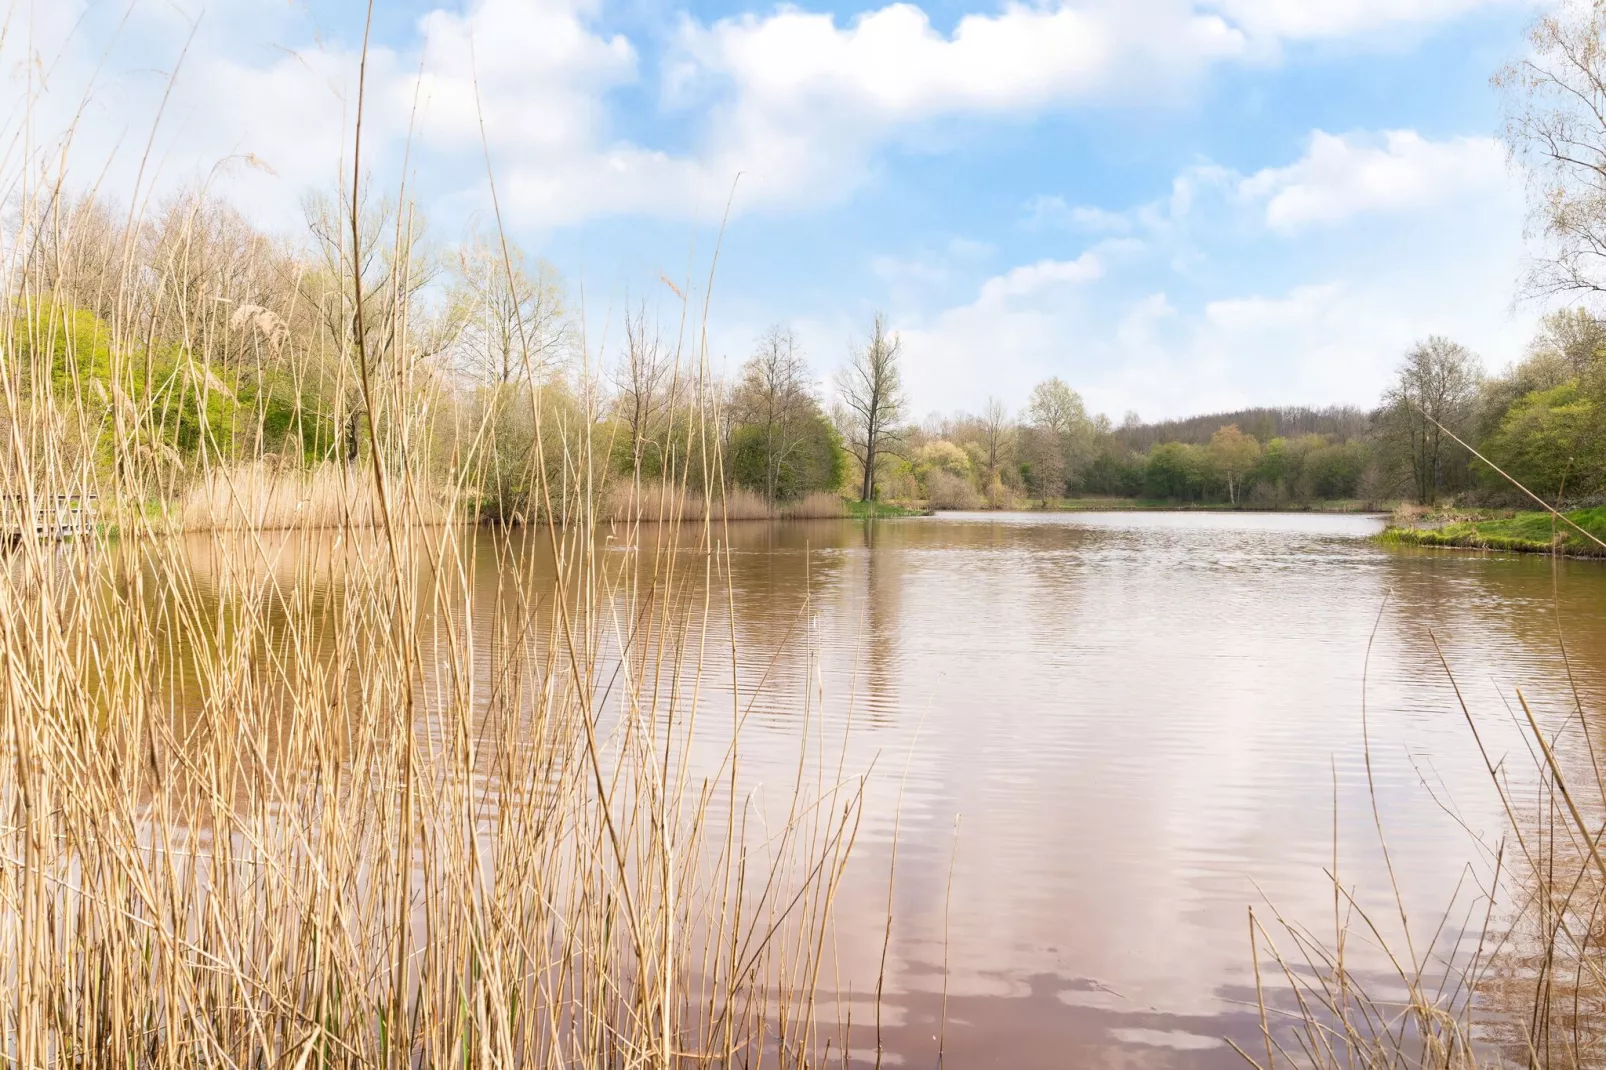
264	495
661	503
258	822
820	505
295	789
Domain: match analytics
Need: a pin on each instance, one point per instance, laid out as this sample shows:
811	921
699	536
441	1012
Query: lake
1100	738
1091	742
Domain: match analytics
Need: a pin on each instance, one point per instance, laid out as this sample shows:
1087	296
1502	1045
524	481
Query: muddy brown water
1098	739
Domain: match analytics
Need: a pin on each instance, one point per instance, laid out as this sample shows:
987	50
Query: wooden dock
54	517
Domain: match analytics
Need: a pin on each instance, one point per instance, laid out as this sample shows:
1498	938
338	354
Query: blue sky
1175	205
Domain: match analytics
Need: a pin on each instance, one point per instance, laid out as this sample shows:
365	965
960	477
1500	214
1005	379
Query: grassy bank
883	510
1530	532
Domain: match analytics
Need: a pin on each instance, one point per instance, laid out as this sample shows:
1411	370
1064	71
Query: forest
1441	434
248	376
244	378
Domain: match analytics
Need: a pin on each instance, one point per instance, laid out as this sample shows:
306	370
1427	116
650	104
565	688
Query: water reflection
1097	739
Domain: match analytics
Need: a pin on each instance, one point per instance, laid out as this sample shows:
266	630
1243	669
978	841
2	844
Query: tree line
249	351
1542	420
189	340
166	344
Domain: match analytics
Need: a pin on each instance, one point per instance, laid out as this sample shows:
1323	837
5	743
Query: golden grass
270	496
324	796
252	822
821	505
650	503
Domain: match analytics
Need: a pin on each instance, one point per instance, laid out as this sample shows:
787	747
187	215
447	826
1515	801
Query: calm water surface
1098	739
1119	731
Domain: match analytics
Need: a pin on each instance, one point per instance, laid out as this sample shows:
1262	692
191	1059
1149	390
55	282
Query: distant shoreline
1144	505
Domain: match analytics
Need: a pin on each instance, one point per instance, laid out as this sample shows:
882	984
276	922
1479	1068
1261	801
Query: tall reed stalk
321	795
1511	975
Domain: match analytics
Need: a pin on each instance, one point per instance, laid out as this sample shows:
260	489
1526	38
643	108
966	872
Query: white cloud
1030	280
1308	19
1053	211
797	102
1159	328
891	63
539	69
1339	177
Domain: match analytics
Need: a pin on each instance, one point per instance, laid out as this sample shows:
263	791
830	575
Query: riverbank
885	510
1527	532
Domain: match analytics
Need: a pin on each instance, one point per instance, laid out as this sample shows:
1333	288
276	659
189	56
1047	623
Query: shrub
946	491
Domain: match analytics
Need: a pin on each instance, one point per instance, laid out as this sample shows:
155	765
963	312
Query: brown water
1098	739
1119	731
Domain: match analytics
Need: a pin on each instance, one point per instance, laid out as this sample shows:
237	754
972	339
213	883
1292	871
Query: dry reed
269	496
662	503
321	798
821	505
1530	990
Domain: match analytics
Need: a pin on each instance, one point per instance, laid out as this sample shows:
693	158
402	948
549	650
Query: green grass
1529	532
882	510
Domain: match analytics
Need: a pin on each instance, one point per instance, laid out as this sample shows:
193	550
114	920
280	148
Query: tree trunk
353	435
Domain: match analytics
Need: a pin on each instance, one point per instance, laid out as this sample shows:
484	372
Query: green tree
1065	435
1333	471
1277	469
815	460
1548	442
1115	471
1234	454
1175	471
945	456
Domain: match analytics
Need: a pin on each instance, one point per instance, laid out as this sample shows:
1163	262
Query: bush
1547	439
945	491
816	460
1176	470
1335	471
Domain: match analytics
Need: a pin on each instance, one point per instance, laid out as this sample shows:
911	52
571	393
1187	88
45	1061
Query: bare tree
1556	127
76	245
871	389
642	380
1434	393
995	431
512	314
391	263
1574	335
775	396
